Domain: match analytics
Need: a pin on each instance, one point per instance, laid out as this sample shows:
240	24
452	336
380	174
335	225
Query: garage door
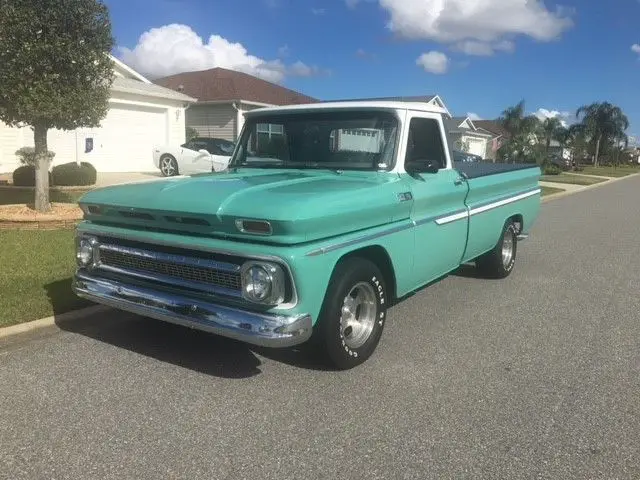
125	140
477	147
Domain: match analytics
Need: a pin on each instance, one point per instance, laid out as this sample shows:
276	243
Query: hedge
25	176
72	174
68	174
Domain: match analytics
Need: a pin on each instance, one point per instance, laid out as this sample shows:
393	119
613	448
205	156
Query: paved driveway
534	377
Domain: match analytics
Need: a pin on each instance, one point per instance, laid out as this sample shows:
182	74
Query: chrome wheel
359	312
167	166
507	249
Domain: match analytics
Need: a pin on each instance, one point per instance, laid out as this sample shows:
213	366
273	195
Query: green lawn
35	275
550	190
11	195
622	171
572	179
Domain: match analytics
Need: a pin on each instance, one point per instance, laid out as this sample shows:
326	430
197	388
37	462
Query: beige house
141	114
223	96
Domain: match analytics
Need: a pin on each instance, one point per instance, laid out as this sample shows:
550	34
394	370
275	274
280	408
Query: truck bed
476	170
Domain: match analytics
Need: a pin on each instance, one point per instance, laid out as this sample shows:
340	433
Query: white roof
351	105
137	87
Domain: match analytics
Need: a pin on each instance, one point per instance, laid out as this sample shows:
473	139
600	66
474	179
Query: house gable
124	71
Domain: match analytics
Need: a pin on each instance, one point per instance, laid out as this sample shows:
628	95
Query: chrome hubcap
167	167
507	250
358	318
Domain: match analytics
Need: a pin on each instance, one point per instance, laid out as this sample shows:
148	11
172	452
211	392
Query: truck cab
326	215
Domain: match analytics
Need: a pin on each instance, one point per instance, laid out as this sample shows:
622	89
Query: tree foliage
56	72
604	123
522	132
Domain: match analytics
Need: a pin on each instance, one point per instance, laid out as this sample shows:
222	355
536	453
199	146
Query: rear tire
353	314
500	261
168	166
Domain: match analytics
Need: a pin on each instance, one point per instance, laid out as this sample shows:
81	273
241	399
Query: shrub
190	133
27	155
72	174
551	169
25	176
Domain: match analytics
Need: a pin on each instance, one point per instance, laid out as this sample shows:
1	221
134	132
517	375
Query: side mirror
422	166
202	151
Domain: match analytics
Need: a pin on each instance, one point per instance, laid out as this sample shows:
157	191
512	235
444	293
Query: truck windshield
337	140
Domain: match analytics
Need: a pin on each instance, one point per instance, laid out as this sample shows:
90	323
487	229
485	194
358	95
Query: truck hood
301	205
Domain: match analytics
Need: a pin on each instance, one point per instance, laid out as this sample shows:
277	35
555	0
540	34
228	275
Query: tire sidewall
171	161
509	230
345	277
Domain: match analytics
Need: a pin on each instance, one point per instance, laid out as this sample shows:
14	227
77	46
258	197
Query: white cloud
543	113
635	48
176	48
476	27
284	51
434	62
353	3
474	116
318	11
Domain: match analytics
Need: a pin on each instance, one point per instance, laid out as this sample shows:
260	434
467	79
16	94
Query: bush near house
25	176
65	175
551	170
72	174
27	155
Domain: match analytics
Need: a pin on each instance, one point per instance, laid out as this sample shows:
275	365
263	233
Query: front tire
499	262
168	166
353	314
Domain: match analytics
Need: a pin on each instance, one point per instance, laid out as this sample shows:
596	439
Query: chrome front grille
186	271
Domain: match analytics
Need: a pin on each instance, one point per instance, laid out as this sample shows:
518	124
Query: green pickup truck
326	215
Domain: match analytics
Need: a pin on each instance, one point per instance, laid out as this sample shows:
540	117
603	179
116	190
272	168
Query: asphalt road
537	376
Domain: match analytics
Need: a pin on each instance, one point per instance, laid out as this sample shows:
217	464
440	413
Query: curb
50	321
556	196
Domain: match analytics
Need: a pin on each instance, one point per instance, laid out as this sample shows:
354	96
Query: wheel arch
379	256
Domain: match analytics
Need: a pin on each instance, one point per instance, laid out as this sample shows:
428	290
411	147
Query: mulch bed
21	216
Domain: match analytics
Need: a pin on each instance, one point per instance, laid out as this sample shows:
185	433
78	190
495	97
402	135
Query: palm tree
578	140
521	129
551	129
603	122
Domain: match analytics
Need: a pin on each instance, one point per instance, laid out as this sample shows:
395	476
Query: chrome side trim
504	201
363	238
454	217
266	330
439	220
137	238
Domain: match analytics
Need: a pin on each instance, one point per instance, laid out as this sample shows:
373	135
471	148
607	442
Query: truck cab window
425	142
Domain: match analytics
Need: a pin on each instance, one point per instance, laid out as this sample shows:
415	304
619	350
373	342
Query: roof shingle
220	84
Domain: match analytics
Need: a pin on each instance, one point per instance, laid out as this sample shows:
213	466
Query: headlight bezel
89	242
276	278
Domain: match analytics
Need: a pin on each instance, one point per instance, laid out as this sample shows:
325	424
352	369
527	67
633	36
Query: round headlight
84	254
257	283
263	282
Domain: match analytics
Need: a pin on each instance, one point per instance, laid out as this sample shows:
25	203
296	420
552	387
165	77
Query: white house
141	114
466	137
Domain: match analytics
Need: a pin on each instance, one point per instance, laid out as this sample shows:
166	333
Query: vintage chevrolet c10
326	214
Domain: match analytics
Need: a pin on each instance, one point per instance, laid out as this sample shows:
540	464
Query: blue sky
480	56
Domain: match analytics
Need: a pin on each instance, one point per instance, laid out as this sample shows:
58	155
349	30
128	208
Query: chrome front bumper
262	329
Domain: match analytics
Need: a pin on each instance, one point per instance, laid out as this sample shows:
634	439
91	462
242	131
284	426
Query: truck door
439	210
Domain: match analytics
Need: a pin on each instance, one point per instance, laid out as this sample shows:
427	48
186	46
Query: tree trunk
597	156
42	203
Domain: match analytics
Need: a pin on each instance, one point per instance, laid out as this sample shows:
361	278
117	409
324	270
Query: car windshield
225	146
342	140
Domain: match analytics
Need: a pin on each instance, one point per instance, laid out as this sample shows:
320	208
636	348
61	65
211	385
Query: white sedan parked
198	155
